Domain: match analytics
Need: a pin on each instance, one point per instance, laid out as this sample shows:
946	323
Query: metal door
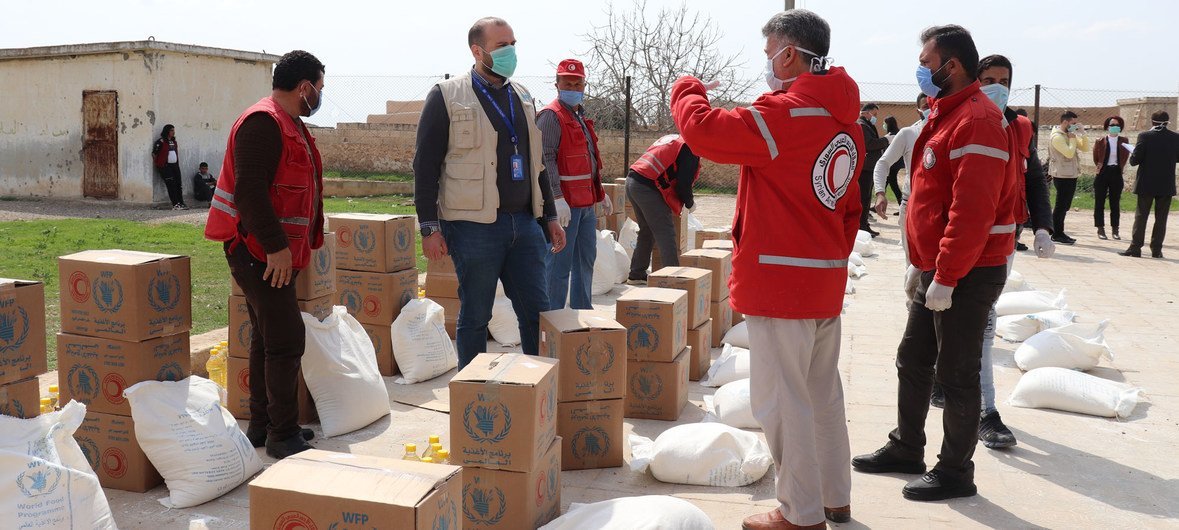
100	144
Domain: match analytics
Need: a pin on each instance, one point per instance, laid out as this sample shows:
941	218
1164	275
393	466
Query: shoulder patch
834	170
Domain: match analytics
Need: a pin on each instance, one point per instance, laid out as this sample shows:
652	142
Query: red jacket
297	184
961	210
798	208
657	164
160	153
1019	147
580	185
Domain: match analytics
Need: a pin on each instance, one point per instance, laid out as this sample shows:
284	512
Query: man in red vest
267	208
574	168
798	210
659	187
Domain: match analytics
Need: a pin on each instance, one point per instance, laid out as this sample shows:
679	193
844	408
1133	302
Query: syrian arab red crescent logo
834	170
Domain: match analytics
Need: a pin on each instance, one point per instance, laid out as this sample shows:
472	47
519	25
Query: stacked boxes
613	222
238	365
681	237
503	431
697	283
721	244
376	273
125	318
712	234
22	347
442	287
720	262
591	385
656	322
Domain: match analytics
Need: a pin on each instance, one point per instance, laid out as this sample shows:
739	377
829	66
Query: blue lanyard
509	120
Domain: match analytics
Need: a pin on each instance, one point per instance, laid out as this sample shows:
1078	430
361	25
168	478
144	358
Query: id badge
517	162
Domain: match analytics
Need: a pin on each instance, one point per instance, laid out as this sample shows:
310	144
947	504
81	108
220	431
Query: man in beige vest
480	189
1064	166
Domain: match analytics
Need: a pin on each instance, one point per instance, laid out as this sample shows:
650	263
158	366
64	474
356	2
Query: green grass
367	175
1085	200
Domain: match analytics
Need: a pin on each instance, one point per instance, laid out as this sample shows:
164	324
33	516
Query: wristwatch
428	231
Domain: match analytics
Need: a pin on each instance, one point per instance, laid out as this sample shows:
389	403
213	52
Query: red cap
571	67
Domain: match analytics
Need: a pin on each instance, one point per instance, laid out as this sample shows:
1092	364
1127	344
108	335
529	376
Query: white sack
421	346
621	263
703	454
340	366
1018	328
732	406
1073	391
194	443
733	364
850	286
504	326
694	225
1075	346
864	245
1016	283
605	265
629	238
1025	302
737	335
649	512
856	271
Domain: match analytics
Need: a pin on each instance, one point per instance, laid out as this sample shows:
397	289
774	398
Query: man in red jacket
798	210
960	227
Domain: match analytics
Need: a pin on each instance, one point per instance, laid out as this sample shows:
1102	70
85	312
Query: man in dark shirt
875	145
1155	154
668	161
203	183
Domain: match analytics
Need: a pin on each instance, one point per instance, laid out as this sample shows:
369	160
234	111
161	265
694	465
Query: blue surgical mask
318	102
924	113
572	98
925	80
998	94
1115	130
872	120
1074	128
503	61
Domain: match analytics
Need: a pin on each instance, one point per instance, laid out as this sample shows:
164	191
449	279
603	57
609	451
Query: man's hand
1044	246
434	247
563	212
912	280
607	205
881	207
939	297
556	236
278	268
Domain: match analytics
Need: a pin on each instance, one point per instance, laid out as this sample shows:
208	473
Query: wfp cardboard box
722	321
109	444
373	242
592	434
617	195
711	234
441	284
592	349
720	262
323	489
681	231
450	308
238	389
95	371
241	330
700	340
441	266
382	337
656	323
317	279
125	295
22	330
21	399
718	244
375	297
511	500
612	222
503	409
696	282
657	391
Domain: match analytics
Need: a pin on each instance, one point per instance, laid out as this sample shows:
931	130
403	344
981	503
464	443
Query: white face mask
772	80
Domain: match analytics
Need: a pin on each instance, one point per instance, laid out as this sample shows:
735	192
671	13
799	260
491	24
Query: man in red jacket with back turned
798	210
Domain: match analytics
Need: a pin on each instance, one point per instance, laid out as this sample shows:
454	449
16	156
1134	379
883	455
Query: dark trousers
895	186
1108	183
171	175
1162	206
866	186
656	229
276	345
1065	190
950	341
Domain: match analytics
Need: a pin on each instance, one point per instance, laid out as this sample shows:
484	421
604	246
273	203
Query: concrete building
80	120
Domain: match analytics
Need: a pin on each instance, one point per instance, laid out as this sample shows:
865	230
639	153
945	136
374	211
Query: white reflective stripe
765	132
1005	122
224	207
1003	229
223	194
808	111
575	178
809	263
302	221
976	149
651	159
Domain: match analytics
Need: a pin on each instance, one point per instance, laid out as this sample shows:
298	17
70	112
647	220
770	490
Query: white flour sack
1016	283
421	346
737	336
1025	302
732	365
194	443
605	265
855	266
1075	346
621	263
864	245
340	366
45	480
702	454
1073	391
504	326
1018	328
629	238
731	405
649	512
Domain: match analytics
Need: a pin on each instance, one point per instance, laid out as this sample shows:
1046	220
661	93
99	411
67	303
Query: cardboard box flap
565	320
652	294
9	283
709	253
119	257
376	217
693	273
364	478
506	368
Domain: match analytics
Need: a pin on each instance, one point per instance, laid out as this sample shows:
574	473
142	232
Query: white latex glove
563	213
1044	246
912	280
693	208
938	297
711	85
607	205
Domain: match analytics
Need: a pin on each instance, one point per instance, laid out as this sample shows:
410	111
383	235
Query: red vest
580	186
1019	143
297	185
658	165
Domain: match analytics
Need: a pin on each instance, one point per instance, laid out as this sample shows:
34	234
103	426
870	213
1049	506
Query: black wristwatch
428	231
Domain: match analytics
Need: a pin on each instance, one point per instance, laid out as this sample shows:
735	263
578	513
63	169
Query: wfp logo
40	479
376	340
16	409
351	299
487	422
245	333
642	337
484	505
364	239
89	450
323	262
595	356
402	238
647	387
591	442
107	293
83	383
169	372
14	329
163	292
447	518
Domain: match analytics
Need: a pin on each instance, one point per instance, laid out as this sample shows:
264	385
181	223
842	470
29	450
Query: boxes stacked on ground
682	243
720	262
617	217
22	346
697	283
712	234
591	385
442	287
503	431
656	322
125	319
376	272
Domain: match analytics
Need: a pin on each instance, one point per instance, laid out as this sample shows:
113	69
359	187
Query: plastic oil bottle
46	406
411	452
434	440
427	460
54	397
216	366
443	457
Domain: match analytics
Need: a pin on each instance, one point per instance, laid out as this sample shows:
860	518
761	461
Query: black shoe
1021	247
1101	233
1157	254
870	231
1131	253
1063	239
938	397
883	461
284	448
1115	235
992	432
258	437
938	486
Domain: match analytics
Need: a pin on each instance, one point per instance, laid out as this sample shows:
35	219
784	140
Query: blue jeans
576	260
511	250
986	376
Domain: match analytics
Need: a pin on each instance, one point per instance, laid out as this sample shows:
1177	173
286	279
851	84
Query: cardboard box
441	266
125	295
450	306
511	500
617	195
722	321
592	349
720	262
681	231
592	434
503	409
95	371
700	340
656	323
718	244
238	390
382	337
22	330
711	234
376	297
323	489
21	399
657	391
374	242
320	307
241	330
737	317
109	444
318	279
696	282
442	285
612	223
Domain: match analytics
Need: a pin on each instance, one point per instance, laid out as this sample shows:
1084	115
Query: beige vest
1060	166
467	191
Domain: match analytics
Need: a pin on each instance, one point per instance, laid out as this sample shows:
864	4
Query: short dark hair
203	164
1160	117
953	41
1021	112
801	27
475	34
1068	115
294	68
869	106
1109	121
920	97
995	61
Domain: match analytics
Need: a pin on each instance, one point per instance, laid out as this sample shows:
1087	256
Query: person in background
659	187
1066	142
1155	154
875	145
167	160
573	165
900	150
481	192
203	183
1110	154
890	127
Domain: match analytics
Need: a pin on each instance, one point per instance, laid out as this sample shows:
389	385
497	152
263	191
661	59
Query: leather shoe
1021	247
1063	239
1157	254
838	515
882	461
1131	253
938	486
774	520
257	437
1101	233
291	446
1115	235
